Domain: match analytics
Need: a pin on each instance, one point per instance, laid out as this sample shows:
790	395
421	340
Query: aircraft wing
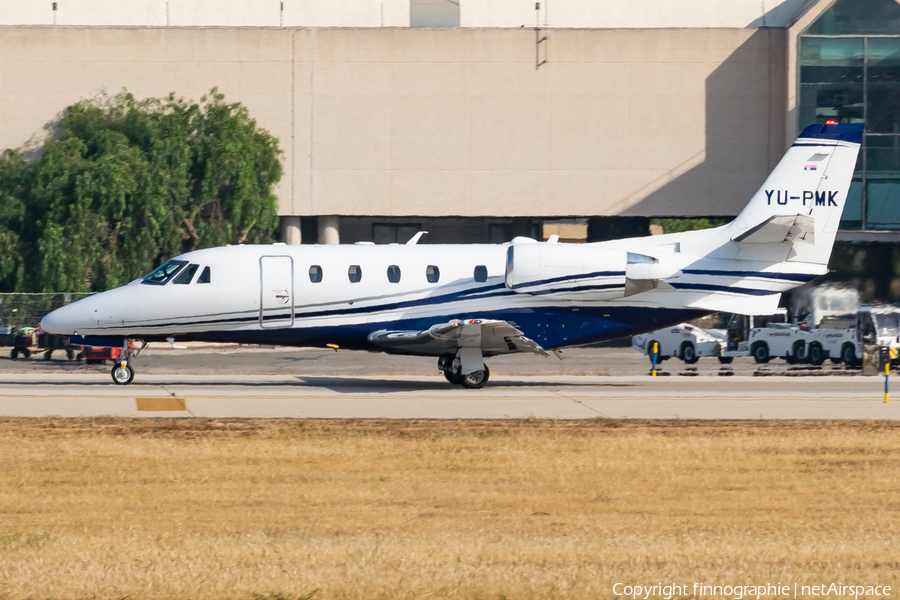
493	337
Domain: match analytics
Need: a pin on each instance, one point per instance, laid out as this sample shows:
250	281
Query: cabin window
432	273
186	275
354	273
315	273
393	273
204	276
162	274
481	273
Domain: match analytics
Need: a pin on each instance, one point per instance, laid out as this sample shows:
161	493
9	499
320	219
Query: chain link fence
27	310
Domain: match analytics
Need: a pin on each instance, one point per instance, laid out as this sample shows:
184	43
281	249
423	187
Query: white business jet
462	303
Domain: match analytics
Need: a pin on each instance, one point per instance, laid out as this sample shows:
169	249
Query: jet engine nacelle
566	269
580	271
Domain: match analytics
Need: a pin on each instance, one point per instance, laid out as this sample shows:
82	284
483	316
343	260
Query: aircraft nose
61	321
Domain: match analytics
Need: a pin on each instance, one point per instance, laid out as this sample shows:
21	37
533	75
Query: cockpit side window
204	276
164	273
186	275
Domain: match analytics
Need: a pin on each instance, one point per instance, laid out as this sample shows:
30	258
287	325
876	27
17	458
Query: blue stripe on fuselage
551	327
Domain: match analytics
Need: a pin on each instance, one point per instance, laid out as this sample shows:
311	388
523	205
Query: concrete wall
399	122
396	13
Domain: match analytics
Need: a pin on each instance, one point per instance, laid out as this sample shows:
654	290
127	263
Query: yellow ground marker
168	403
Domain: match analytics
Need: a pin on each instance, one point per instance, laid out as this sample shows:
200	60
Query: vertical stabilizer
797	211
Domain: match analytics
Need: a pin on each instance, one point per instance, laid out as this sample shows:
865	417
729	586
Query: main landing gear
451	367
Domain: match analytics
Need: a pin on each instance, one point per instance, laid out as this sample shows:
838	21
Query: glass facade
850	73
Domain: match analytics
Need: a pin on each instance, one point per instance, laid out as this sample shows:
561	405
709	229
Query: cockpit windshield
164	273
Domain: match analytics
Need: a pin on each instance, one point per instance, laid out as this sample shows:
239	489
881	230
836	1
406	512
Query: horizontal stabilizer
780	228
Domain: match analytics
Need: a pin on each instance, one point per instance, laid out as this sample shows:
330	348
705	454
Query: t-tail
794	217
782	239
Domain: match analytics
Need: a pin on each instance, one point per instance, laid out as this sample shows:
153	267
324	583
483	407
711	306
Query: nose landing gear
122	373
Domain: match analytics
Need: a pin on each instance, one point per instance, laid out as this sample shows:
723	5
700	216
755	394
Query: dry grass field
201	509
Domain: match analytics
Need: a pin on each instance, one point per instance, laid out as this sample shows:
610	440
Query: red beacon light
830	122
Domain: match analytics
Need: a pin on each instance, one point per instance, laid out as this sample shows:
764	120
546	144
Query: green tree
129	183
13	175
677	225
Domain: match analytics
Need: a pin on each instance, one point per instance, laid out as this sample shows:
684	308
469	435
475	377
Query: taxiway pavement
430	397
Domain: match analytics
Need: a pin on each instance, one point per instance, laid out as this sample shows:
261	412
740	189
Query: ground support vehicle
765	337
23	342
49	343
26	341
97	355
842	339
687	342
834	339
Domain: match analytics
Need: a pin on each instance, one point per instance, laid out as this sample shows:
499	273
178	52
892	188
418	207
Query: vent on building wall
434	13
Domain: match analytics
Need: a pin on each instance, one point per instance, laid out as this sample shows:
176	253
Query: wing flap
492	337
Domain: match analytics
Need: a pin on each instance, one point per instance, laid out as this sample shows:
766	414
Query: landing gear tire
689	353
453	378
122	375
445	366
476	379
761	353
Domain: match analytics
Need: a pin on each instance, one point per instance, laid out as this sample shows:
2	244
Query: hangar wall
437	122
396	13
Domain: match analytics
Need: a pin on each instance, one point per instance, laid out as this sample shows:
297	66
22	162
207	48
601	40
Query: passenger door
276	292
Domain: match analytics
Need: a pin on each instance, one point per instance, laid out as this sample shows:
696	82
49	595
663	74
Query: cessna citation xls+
462	303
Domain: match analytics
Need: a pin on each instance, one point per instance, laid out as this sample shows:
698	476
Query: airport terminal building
480	120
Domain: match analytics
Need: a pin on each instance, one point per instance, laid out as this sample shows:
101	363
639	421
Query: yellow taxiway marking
161	403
